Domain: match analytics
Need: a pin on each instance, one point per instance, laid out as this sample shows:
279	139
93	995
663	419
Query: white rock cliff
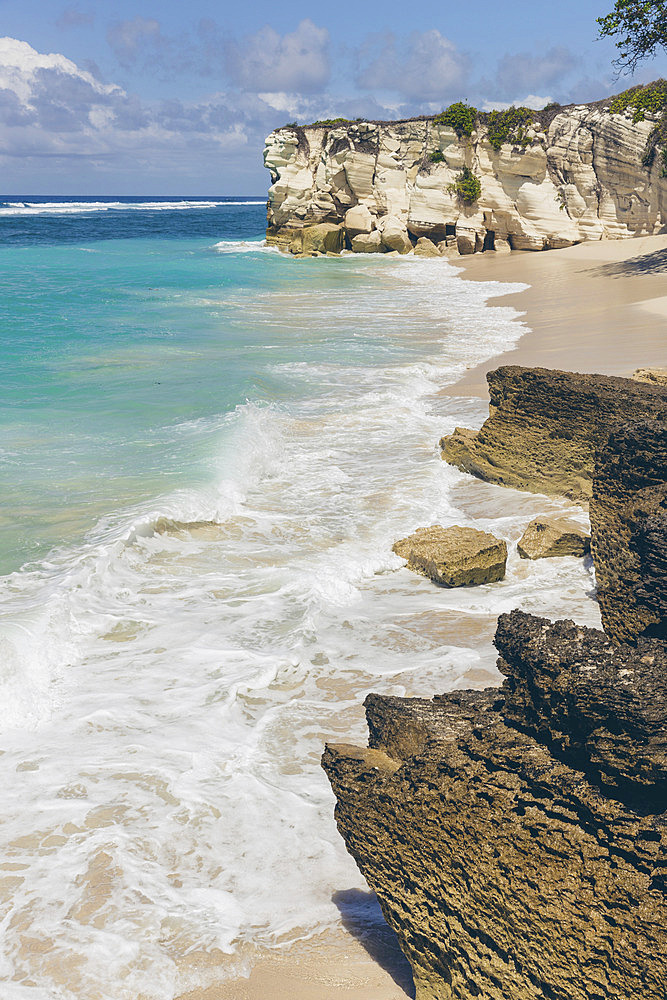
372	186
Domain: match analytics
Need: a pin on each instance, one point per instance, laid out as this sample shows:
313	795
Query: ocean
207	450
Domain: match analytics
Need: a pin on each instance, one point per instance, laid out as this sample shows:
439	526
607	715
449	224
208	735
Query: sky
176	98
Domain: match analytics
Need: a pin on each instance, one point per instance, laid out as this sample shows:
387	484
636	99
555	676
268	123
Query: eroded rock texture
455	556
545	427
548	537
629	531
516	838
580	177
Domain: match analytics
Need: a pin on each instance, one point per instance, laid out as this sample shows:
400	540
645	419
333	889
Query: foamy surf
170	679
19	208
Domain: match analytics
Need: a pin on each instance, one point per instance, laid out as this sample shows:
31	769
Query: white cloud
424	67
268	62
21	65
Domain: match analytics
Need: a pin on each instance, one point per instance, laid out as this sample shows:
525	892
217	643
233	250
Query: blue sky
177	97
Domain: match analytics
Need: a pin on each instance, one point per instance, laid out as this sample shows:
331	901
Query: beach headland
595	307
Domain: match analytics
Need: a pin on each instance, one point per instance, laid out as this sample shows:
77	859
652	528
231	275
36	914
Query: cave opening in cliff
489	240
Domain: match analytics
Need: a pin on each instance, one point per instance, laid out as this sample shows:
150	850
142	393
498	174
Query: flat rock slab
546	537
455	556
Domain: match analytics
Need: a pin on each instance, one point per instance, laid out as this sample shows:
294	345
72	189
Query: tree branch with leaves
639	28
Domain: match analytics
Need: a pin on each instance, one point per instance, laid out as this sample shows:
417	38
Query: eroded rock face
517	838
581	177
629	531
548	537
545	427
454	556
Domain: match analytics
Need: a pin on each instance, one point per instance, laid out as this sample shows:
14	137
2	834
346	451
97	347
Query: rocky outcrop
576	175
547	537
454	556
656	376
545	426
629	531
517	838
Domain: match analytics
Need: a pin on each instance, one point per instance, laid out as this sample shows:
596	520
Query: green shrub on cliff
509	126
467	186
437	156
651	99
460	117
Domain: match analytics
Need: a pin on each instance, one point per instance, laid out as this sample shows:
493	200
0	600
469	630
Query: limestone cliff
577	173
517	838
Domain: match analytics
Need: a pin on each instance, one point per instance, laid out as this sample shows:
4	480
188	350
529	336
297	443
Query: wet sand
596	307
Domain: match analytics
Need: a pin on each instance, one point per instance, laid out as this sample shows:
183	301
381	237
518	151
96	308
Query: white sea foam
86	207
169	684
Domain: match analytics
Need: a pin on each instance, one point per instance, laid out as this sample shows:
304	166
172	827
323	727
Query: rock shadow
362	918
649	263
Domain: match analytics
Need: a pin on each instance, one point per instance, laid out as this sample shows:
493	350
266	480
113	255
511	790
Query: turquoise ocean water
206	452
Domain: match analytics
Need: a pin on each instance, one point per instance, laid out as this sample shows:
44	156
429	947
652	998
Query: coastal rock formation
455	556
517	837
545	426
657	376
546	537
629	531
577	174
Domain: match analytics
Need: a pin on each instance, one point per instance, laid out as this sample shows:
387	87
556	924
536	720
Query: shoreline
567	292
586	306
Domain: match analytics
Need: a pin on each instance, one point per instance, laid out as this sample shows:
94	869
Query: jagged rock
325	238
367	243
546	537
581	177
578	692
657	376
545	426
629	531
454	556
426	248
517	839
394	235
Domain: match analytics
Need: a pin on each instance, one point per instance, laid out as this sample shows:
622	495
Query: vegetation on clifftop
510	126
640	101
460	117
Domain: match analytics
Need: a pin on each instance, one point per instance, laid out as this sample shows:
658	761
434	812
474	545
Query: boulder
517	837
629	531
545	426
455	556
367	243
323	238
426	248
546	537
358	220
656	376
466	240
501	246
394	235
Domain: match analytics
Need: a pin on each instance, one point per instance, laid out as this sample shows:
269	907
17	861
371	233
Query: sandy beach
595	307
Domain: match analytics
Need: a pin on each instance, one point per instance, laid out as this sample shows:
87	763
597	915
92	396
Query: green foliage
651	98
467	186
551	107
333	121
639	29
510	126
460	117
437	156
289	125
